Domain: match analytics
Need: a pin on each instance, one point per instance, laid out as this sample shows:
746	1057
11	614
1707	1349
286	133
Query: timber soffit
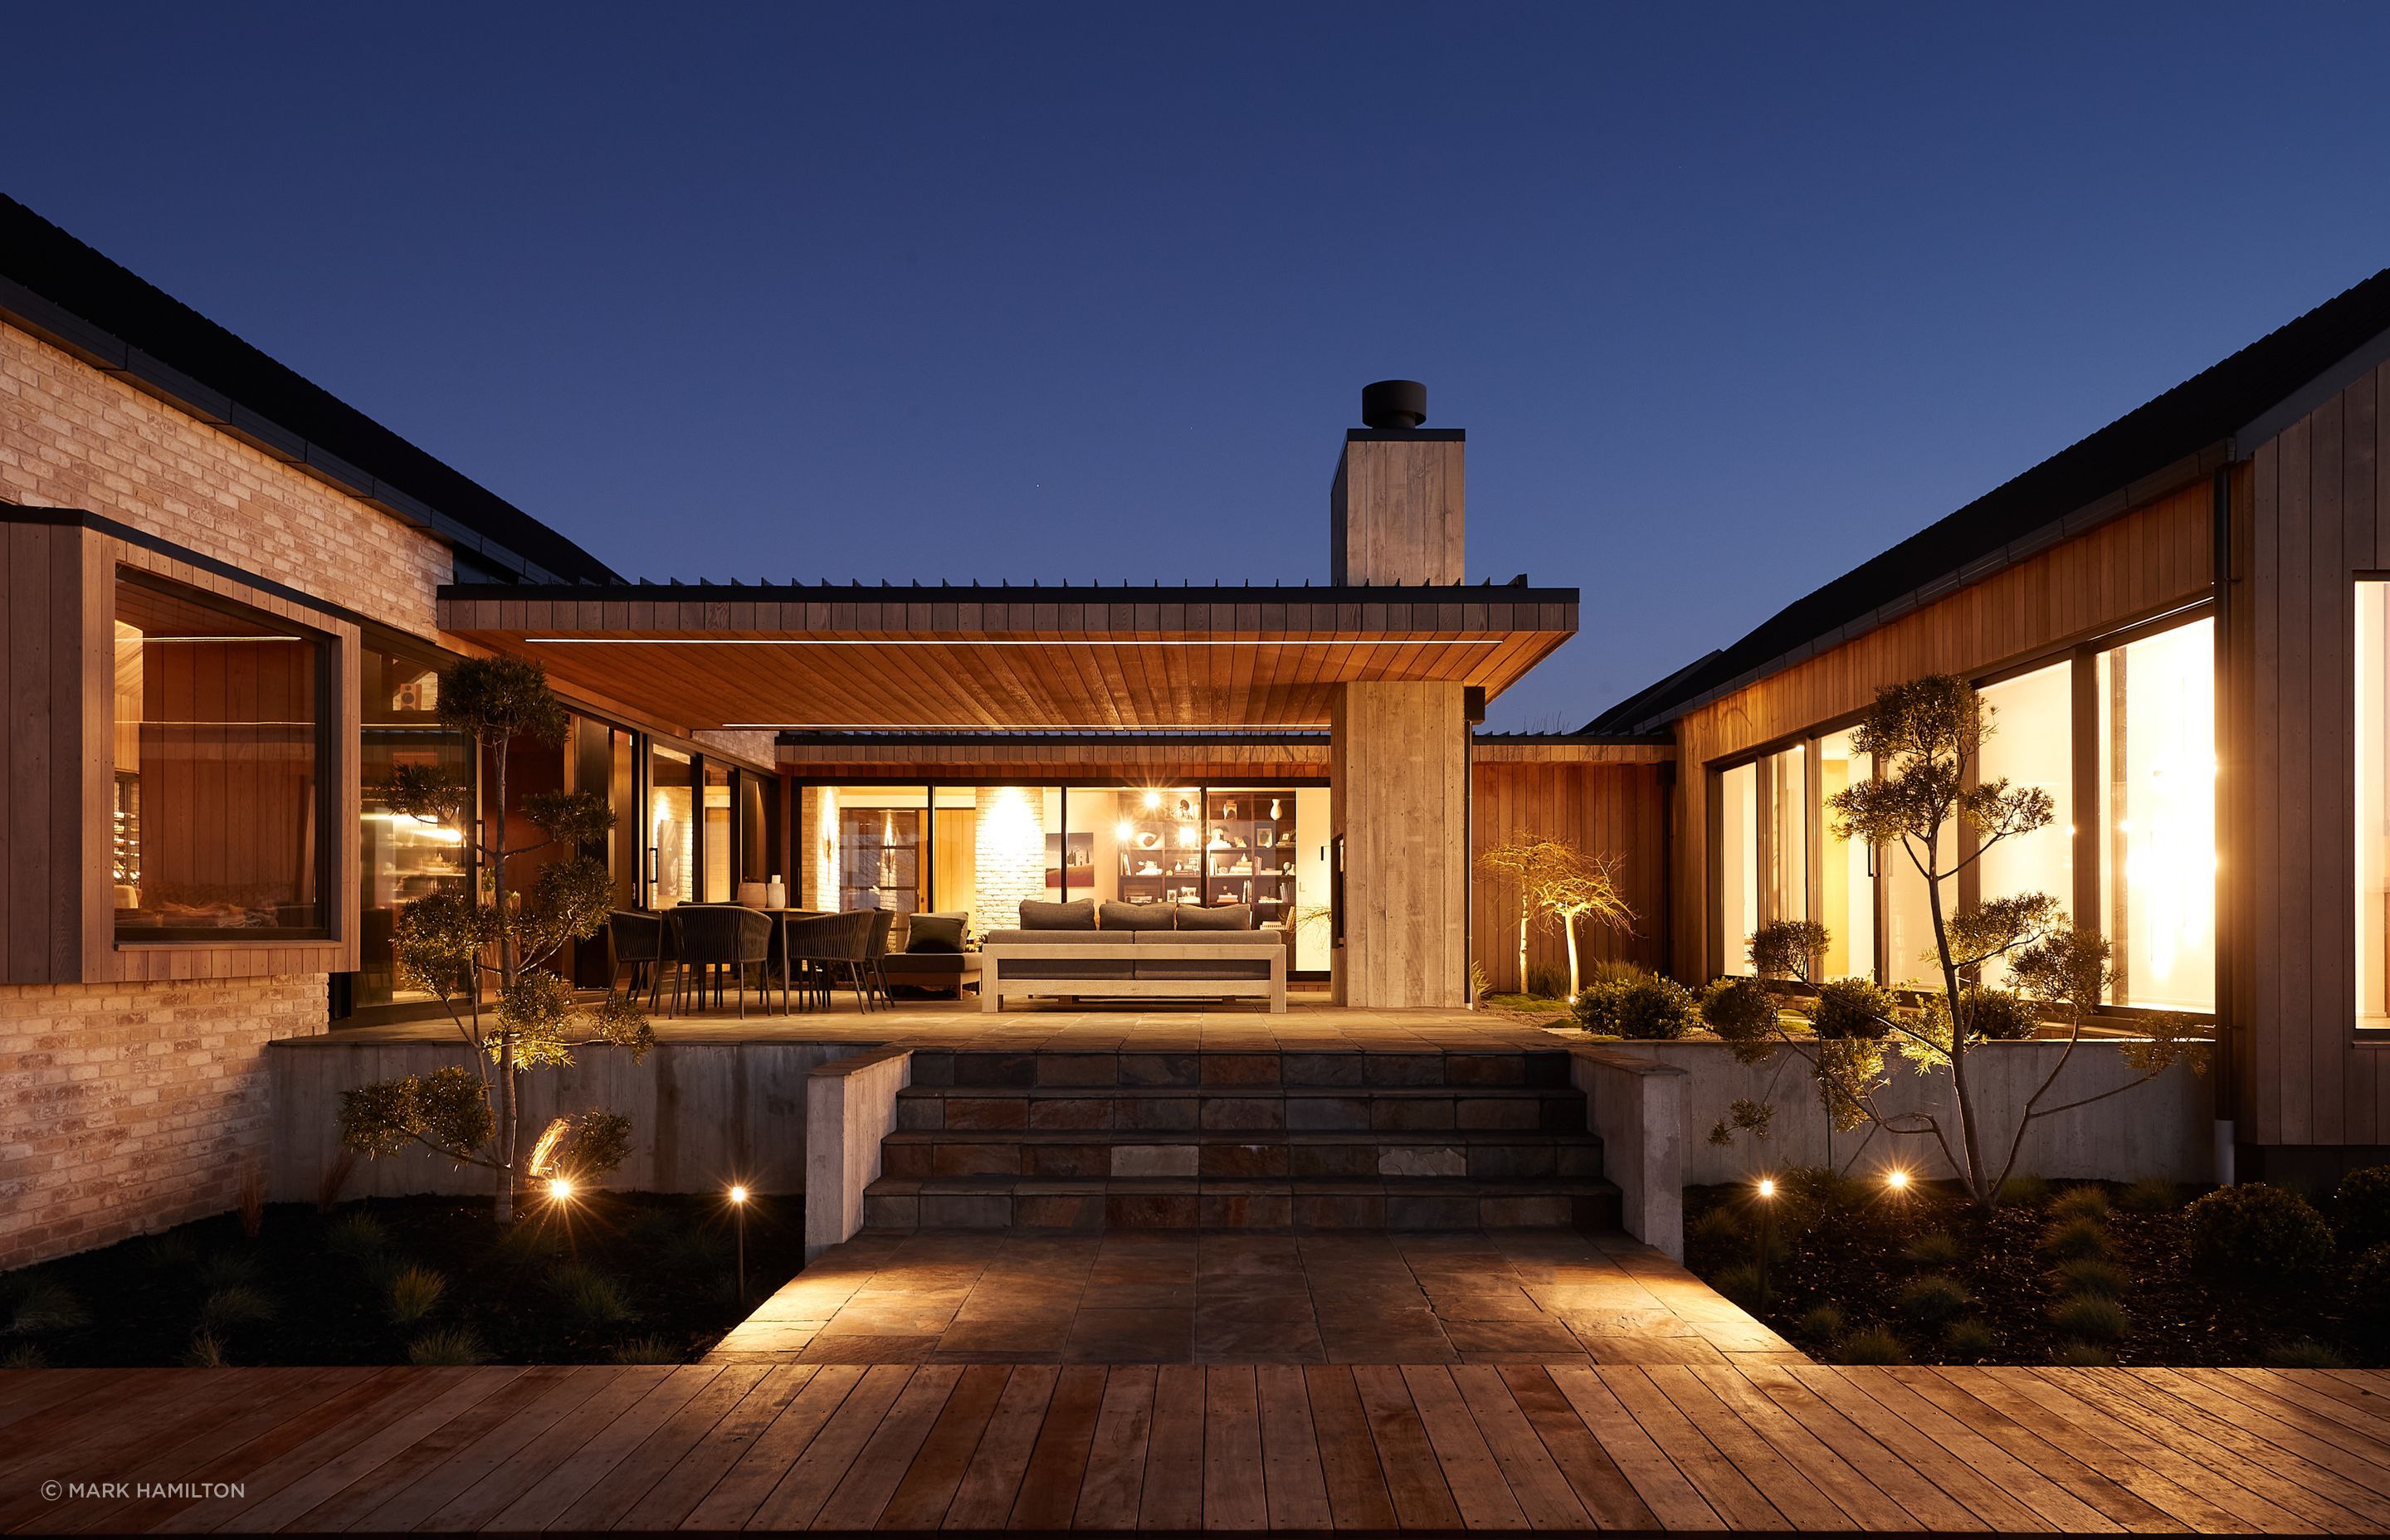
2205	423
59	290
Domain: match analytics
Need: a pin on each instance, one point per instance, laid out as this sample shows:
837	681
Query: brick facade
128	1108
73	437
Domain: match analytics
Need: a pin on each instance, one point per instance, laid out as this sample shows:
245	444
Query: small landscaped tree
501	941
1556	884
1925	741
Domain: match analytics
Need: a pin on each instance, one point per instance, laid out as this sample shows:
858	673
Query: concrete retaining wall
702	1114
2164	1128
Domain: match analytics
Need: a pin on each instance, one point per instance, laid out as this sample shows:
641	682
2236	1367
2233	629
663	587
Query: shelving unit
1249	852
1161	851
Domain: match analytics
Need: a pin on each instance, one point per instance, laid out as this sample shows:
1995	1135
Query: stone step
1481	1154
1412	1109
1021	1069
1395	1203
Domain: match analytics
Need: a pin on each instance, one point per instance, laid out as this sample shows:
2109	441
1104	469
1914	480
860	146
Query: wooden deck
1186	1446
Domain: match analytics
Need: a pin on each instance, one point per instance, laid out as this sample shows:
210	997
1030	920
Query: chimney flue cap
1399	403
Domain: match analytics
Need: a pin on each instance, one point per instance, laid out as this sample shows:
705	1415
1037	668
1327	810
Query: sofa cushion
936	933
1038	915
1116	915
1224	917
903	965
1061	938
1066	941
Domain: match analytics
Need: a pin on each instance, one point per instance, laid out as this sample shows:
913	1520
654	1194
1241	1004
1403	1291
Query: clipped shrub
1934	1296
2258	1231
1738	1010
237	1305
414	1292
1969	1339
1545	981
643	1349
2368	1278
2361	1210
2150	1195
2072	1238
2305	1353
38	1303
2092	1318
2084	1356
1873	1346
206	1352
1636	1005
2091	1276
1933	1249
454	1345
2024	1192
1822	1323
358	1236
589	1295
1852	1007
2083	1203
2001	1015
24	1355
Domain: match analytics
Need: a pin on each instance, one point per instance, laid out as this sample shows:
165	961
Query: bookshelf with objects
1161	841
1249	848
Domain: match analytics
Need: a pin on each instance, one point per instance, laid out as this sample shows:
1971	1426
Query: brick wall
73	437
129	1108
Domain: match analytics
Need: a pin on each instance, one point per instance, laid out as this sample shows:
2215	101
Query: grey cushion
1224	917
1067	967
1116	915
1061	938
1036	915
935	933
903	967
1206	937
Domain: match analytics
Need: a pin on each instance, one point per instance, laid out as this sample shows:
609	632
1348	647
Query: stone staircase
1252	1140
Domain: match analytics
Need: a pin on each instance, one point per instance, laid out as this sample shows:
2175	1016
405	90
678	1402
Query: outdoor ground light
1766	1190
739	1218
560	1188
1896	1179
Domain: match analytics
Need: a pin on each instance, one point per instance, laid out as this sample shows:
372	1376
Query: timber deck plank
1297	1449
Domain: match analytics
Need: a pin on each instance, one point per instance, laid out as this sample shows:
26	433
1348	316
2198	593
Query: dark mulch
322	1296
1851	1253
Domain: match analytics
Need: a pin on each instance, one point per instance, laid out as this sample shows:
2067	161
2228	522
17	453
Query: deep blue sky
1727	299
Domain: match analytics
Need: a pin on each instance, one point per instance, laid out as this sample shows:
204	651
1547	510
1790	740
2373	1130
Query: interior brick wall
71	437
131	1108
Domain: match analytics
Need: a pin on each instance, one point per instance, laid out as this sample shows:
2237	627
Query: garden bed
608	1278
2092	1274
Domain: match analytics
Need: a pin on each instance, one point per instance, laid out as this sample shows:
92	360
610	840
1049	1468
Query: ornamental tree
502	943
1925	741
1556	884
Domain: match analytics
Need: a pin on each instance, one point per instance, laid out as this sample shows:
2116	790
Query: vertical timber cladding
1605	802
1398	756
2140	563
1398	782
2311	514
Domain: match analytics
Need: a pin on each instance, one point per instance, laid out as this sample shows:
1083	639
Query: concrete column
1398	772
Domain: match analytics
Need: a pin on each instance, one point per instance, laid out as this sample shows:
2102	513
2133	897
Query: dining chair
722	936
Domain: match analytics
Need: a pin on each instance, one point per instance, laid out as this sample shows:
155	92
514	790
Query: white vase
776	895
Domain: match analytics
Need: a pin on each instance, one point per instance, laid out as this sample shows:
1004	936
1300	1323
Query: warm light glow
1896	1179
1153	799
738	1195
560	1189
1124	831
2158	761
1766	1187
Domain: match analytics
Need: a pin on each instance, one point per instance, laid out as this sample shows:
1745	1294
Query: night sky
1727	299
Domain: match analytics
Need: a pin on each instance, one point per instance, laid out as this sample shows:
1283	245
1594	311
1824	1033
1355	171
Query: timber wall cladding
2318	514
72	438
1617	811
2141	563
1399	797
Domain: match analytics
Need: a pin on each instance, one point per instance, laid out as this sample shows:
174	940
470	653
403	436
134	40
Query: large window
672	829
2129	850
716	868
2031	744
2372	682
219	805
2157	783
1845	868
400	858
